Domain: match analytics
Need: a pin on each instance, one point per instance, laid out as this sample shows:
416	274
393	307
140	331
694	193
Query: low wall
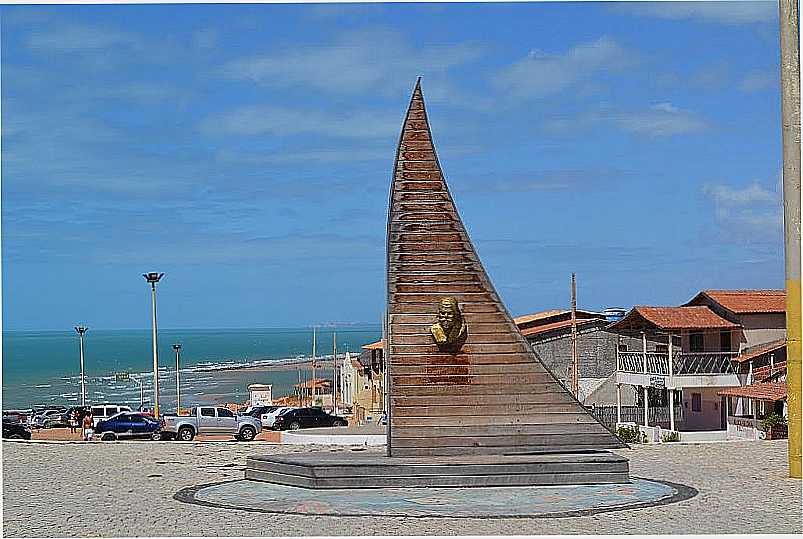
300	437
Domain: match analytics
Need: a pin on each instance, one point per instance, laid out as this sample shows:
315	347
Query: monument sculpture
470	403
449	331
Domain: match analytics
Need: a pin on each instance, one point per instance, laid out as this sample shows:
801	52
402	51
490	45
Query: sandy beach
126	489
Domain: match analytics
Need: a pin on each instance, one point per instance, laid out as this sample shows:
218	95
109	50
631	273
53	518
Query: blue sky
246	150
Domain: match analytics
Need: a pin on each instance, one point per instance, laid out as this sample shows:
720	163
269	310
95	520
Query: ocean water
43	367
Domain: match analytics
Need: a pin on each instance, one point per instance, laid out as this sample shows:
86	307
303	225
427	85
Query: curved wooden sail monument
470	403
490	393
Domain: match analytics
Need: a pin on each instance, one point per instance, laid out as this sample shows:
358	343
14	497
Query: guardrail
683	362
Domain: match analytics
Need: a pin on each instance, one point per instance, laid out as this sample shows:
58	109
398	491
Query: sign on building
261	394
658	381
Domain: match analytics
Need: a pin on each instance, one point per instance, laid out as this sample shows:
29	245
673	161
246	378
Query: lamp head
81	329
176	347
153	276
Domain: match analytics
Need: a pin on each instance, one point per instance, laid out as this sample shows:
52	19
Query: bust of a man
450	331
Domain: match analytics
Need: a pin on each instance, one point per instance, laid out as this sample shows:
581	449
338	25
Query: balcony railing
682	362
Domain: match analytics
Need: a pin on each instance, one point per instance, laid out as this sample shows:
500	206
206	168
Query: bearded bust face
448	314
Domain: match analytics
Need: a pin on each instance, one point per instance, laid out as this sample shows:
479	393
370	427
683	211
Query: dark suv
15	430
307	418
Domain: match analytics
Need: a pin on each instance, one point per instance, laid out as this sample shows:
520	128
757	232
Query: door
226	421
121	425
207	421
139	425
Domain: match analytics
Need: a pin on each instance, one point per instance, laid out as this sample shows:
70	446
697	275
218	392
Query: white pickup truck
212	420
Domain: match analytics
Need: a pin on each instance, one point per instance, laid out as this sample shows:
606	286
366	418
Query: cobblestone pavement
126	489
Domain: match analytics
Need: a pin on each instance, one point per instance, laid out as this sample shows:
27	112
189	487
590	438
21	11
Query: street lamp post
81	330
153	278
177	348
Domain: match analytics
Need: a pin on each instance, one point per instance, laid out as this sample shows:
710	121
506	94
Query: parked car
129	425
14	430
268	419
212	420
50	419
306	418
101	412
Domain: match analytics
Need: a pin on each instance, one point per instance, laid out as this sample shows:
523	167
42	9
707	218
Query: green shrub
772	420
671	436
631	435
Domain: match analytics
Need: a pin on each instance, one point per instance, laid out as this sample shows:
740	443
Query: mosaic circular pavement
486	502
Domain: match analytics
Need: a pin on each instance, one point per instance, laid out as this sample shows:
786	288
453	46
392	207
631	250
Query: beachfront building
549	333
685	360
367	383
316	392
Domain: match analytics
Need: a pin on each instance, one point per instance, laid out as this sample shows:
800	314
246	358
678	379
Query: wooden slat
429	369
485	338
499	420
445	410
467	348
511	440
470	318
473	379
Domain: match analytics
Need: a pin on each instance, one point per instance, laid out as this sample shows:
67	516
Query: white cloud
541	74
660	120
75	38
751	211
760	80
371	59
725	12
257	120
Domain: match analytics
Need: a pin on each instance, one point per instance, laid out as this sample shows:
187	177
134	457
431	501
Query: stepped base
328	470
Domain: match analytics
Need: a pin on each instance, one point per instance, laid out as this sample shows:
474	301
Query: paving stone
67	490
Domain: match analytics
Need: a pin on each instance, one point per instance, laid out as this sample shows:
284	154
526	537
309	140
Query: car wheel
15	436
156	436
295	425
186	434
107	437
339	423
247	434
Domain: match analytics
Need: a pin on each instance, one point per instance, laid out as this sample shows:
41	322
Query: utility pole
314	352
81	330
334	372
790	110
152	278
177	348
575	382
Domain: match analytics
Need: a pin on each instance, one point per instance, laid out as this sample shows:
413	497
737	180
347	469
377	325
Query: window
98	410
134	418
724	341
623	348
662	348
224	412
696	342
696	402
207	412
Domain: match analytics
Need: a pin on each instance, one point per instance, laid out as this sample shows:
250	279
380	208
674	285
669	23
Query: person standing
88	430
74	421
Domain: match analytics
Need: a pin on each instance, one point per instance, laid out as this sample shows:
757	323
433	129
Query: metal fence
683	363
635	414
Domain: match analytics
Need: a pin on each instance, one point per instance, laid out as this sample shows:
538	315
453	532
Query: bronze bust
450	331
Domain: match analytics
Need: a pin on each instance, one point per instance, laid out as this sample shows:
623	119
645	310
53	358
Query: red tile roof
536	330
528	319
769	391
762	374
745	301
378	345
761	349
672	318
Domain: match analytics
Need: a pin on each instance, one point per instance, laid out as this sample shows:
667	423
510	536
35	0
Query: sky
246	151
